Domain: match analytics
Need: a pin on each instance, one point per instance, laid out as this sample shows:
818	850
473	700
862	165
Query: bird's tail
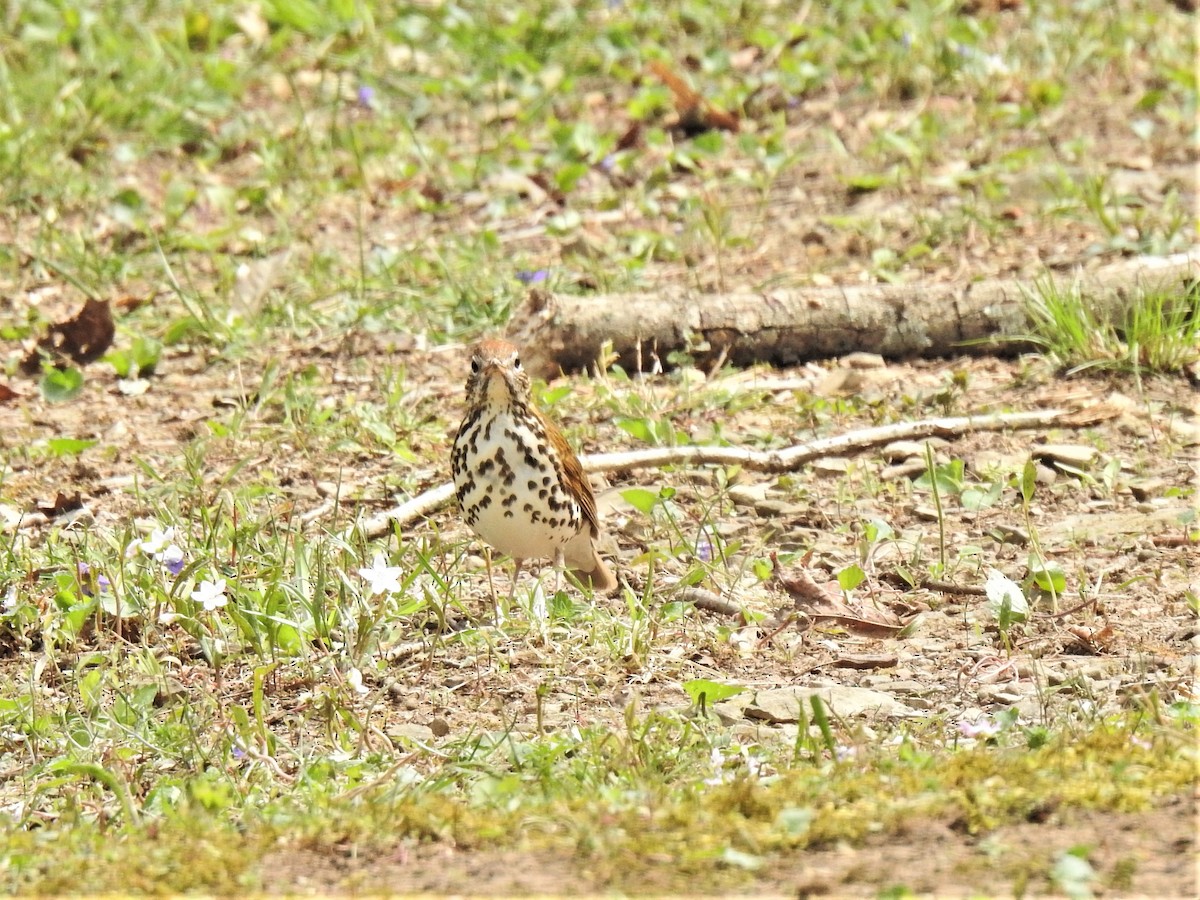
586	564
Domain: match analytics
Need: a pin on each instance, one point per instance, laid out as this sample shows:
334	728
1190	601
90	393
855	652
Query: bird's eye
475	367
516	362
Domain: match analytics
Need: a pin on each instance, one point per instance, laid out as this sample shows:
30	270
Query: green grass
290	207
625	804
1157	331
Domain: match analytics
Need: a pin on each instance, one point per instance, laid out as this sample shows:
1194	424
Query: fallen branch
562	332
774	461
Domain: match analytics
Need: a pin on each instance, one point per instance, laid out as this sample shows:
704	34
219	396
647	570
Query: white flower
717	760
211	594
382	578
1001	590
537	604
980	728
354	679
423	586
158	542
10	599
161	547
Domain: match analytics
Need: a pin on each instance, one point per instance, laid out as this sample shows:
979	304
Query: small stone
906	687
1010	534
831	465
780	509
862	360
784	704
1077	456
904	450
410	731
747	494
439	726
910	469
1146	488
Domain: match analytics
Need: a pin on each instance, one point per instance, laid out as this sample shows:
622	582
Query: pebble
900	450
748	494
910	469
411	731
905	687
1077	456
831	465
862	360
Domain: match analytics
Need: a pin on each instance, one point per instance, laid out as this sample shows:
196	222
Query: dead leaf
62	505
1094	641
631	138
696	115
867	661
82	339
819	602
7	394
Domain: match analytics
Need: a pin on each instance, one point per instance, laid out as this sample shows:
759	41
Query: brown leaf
820	602
7	394
81	339
696	115
631	138
62	504
1095	641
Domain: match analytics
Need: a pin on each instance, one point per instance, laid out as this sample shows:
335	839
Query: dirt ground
1125	632
930	859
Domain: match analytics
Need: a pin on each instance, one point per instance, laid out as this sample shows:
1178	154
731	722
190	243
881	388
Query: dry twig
786	460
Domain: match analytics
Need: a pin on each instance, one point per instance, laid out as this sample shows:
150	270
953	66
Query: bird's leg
512	595
560	563
487	562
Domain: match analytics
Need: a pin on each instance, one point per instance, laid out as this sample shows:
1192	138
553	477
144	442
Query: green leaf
975	498
1049	576
67	446
60	385
1028	480
638	428
865	184
701	690
182	329
851	577
640	499
949	477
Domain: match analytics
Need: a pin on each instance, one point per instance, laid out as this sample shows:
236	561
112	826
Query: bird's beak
498	387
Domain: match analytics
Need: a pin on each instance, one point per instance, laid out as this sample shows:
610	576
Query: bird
519	484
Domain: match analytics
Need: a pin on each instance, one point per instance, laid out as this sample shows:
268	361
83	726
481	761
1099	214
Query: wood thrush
519	484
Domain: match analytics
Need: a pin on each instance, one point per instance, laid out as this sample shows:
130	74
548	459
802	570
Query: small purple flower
537	276
91	584
366	96
608	162
172	560
704	548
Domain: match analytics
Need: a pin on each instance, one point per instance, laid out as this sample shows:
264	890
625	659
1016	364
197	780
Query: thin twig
786	460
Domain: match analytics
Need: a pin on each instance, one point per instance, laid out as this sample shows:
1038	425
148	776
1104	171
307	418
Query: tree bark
786	327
